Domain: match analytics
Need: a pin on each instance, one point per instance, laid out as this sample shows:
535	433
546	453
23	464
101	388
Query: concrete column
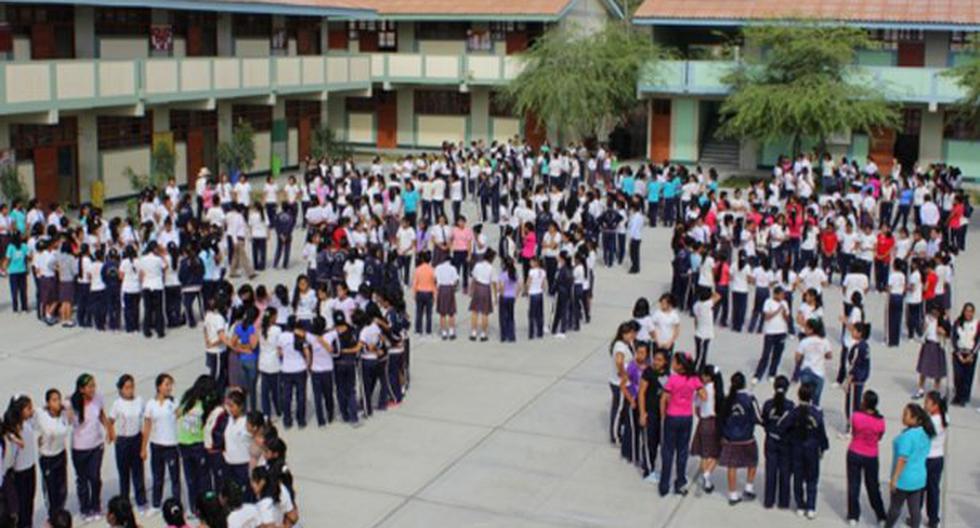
931	137
324	43
4	134
280	132
406	37
336	117
85	45
161	119
406	116
937	49
225	126
480	115
89	169
748	154
226	35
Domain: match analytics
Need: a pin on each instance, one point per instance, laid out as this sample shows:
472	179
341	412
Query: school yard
503	435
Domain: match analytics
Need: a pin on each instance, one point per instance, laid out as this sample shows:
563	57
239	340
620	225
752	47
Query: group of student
231	461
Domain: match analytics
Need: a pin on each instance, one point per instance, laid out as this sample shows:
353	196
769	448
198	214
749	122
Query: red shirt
956	216
930	290
883	251
828	242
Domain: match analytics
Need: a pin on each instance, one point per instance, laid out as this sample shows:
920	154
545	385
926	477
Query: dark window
23	138
961	129
295	110
911	121
200	32
181	121
21	16
441	30
122	21
248	25
442	102
122	131
500	106
259	116
661	106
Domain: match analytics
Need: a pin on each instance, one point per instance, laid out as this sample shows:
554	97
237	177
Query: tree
967	76
583	83
12	186
239	154
326	144
163	161
800	86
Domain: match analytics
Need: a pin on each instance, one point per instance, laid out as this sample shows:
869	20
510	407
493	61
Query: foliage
583	83
12	186
163	161
326	144
800	87
239	154
967	76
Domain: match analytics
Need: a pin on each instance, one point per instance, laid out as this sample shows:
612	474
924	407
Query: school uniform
372	366
127	418
934	471
808	437
859	370
740	296
321	376
896	302
164	455
535	290
862	461
193	456
398	355
446	279
293	376
87	448
707	435
618	402
564	284
345	372
738	446
778	453
964	360
932	357
237	442
774	341
172	294
154	270
651	433
508	299
53	432
481	300
24	474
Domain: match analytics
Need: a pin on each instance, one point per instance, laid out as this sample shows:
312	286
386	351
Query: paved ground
500	435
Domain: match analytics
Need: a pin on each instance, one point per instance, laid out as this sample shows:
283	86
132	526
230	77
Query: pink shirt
866	432
530	245
682	389
462	238
88	434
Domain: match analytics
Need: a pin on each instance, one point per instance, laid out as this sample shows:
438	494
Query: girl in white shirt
237	442
273	501
160	439
126	416
269	367
53	428
762	277
739	284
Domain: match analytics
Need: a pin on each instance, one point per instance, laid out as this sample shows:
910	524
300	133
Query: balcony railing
419	68
40	86
900	84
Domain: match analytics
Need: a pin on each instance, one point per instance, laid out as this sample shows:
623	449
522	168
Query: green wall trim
280	131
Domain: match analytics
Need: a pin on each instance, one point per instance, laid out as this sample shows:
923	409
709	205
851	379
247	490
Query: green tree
799	87
583	83
163	162
967	76
12	186
326	144
239	154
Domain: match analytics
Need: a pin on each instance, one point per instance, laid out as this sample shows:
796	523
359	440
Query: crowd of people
894	235
375	236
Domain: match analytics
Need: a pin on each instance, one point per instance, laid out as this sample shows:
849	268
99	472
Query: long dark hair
77	399
686	362
922	418
203	391
122	512
869	403
937	399
780	385
13	417
736	384
270	483
621	331
718	383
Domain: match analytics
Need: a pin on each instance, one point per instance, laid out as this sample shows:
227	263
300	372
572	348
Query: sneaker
749	495
473	337
483	338
682	492
560	336
917	395
811	515
732	501
452	336
151	512
852	522
652	478
357	425
800	513
755	381
708	487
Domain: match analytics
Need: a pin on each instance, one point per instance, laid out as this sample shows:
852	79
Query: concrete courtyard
514	435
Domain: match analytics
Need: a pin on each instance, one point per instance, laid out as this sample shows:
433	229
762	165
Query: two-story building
87	88
919	41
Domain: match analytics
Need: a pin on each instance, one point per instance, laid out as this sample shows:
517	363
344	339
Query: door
659	130
882	149
912	53
516	42
195	41
67	181
195	155
534	132
387	117
337	39
306	40
44	42
368	42
46	174
304	132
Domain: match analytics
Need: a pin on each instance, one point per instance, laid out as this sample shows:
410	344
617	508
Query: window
911	121
442	102
21	17
366	105
889	38
958	40
961	129
122	21
296	110
441	30
379	35
259	116
182	121
500	106
499	30
122	131
248	25
661	107
24	138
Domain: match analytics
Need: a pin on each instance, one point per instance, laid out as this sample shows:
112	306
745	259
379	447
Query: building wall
590	15
963	154
115	162
684	130
124	48
505	128
434	129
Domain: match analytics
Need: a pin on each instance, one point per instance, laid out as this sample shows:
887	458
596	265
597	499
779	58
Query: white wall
442	47
432	130
360	128
505	128
124	48
292	148
263	151
180	164
252	47
22	49
114	162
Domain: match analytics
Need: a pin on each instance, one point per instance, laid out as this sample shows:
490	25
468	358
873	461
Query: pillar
406	37
161	119
85	47
748	154
937	48
89	169
335	116
225	126
280	132
324	48
406	117
480	115
931	137
226	35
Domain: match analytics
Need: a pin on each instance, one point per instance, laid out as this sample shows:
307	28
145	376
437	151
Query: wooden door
43	42
306	41
195	155
912	53
516	42
46	174
387	117
368	42
534	131
659	130
304	132
882	149
195	40
337	39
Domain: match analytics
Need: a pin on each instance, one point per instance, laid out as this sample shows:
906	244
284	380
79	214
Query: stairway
719	153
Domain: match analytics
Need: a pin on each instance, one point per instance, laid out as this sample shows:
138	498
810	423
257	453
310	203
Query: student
245	343
269	364
808	437
482	294
321	344
172	287
447	279
852	317
273	500
858	368
534	289
15	264
216	342
867	429
509	289
740	290
237	440
621	352
775	325
896	300
424	289
704	325
739	416
196	405
707	435
345	368
932	357
398	346
191	278
152	269
90	430
173	513
67	266
120	513
666	324
778	446
294	354
629	385
160	440
126	416
652	382
964	354
676	408
935	406
762	278
909	475
19	437
53	429
812	353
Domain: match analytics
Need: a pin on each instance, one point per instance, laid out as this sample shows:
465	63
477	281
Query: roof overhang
226	6
489	16
736	22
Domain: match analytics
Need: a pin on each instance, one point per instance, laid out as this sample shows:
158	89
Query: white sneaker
151	512
754	382
811	515
852	522
800	513
559	336
653	478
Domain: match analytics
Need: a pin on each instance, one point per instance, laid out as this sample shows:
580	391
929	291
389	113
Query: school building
87	88
919	41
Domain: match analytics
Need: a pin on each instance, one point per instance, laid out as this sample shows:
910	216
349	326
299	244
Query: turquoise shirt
628	183
912	445
653	191
19	219
411	200
670	188
17	258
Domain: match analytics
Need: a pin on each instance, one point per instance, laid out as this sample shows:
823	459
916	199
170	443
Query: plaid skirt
446	300
739	454
481	299
932	360
707	442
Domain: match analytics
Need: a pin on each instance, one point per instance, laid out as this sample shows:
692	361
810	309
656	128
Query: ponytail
936	398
